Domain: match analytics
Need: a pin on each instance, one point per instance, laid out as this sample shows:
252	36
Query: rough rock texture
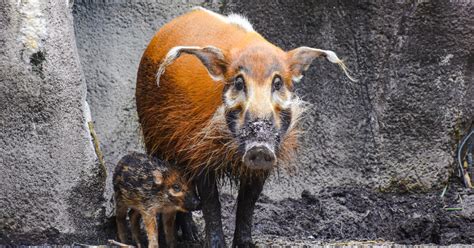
50	181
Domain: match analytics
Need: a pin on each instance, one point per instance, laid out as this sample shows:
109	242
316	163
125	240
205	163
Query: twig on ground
444	191
113	242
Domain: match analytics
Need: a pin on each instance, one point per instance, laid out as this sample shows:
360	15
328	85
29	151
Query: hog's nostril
259	157
253	157
268	158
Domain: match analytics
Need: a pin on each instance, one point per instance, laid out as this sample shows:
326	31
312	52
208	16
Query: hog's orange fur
178	118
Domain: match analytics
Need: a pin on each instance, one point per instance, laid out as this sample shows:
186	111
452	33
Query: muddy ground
341	216
350	216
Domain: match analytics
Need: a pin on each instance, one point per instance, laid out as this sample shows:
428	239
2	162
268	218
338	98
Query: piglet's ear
211	57
157	177
301	58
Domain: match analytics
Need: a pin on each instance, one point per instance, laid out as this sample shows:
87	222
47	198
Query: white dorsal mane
233	19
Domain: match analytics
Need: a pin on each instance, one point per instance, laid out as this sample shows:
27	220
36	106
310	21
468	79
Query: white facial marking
232	99
281	101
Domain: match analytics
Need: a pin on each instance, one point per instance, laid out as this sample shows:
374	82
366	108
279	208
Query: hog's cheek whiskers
282	101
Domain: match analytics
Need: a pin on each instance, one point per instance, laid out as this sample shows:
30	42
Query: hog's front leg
250	188
211	210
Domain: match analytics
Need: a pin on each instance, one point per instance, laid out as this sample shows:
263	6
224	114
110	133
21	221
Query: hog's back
171	113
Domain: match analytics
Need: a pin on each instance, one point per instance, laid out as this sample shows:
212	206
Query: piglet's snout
192	202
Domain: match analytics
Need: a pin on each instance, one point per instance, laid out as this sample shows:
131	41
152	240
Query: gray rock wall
50	181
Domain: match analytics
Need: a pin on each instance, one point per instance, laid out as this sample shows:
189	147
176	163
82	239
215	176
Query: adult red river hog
216	97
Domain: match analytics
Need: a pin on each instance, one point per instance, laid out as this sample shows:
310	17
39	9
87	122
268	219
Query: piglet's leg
149	220
120	218
250	188
211	210
135	225
186	223
169	228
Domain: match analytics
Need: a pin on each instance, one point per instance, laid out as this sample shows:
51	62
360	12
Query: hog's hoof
215	241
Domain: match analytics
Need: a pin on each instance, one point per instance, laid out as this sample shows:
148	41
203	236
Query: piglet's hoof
189	230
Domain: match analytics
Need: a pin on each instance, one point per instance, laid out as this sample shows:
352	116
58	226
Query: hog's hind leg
120	218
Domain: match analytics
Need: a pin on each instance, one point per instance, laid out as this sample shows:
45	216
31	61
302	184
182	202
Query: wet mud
340	214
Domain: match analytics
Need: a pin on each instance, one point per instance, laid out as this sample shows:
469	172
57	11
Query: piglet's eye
239	83
176	188
277	83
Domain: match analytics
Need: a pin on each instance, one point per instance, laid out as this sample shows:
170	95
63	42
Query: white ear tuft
332	57
303	56
296	79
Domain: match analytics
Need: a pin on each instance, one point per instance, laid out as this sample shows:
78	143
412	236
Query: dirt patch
348	213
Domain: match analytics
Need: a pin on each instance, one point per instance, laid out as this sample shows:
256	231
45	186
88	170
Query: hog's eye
239	83
277	83
176	188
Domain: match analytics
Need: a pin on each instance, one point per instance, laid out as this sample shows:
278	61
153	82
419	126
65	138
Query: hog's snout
259	157
259	139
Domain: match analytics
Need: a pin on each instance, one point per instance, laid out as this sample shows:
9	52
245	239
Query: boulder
51	182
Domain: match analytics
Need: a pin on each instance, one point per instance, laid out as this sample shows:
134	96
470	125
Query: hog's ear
301	58
157	177
211	57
